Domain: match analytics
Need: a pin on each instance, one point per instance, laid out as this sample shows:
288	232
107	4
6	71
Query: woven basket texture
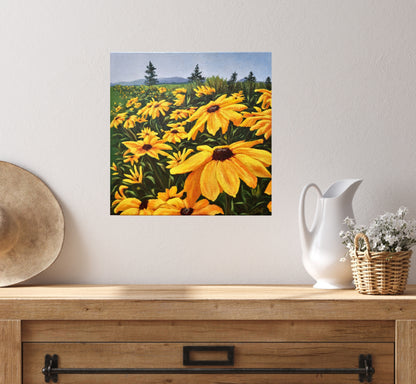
379	273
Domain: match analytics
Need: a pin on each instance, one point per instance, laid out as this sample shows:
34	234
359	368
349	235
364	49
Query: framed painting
191	133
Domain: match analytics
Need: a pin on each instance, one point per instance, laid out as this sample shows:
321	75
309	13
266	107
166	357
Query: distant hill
162	80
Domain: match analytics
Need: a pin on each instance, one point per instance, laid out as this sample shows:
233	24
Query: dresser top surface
200	302
193	293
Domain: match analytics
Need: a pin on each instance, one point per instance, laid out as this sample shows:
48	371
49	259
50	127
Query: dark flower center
157	105
222	154
174	131
143	204
213	108
147	147
187	211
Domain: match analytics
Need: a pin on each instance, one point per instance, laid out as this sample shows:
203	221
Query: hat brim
40	221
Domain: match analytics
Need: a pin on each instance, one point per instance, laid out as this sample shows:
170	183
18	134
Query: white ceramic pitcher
322	249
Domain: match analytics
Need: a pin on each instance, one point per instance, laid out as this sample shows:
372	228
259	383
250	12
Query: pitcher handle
302	218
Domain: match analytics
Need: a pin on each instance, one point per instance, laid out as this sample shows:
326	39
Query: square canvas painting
191	133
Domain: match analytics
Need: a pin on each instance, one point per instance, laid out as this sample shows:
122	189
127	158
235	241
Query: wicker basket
379	273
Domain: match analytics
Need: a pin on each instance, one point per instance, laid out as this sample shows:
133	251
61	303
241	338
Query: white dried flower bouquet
389	232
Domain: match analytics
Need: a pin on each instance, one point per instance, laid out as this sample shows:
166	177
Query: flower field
191	149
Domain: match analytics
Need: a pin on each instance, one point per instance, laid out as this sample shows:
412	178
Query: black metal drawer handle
365	371
187	360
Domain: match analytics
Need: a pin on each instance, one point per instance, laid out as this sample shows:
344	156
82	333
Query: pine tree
268	83
196	75
250	78
151	77
232	82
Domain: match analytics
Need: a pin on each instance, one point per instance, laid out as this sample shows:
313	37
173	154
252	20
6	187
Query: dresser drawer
171	355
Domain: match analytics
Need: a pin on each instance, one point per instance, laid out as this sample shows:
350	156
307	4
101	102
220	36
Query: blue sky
131	65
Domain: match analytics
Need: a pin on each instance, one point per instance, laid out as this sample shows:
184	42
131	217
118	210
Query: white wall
344	88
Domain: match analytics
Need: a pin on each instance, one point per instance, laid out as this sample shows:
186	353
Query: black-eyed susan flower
218	169
132	102
170	193
179	207
135	177
259	121
119	195
203	90
178	158
147	132
162	89
179	114
119	119
150	146
132	206
175	134
179	90
130	122
180	98
141	120
265	98
238	95
155	108
217	114
118	108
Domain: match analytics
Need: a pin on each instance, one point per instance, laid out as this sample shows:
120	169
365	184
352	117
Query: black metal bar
51	370
210	348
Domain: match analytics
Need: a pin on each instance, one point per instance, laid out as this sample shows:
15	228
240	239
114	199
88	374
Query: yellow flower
185	207
130	122
218	169
133	206
141	120
265	98
178	158
203	90
268	191
179	90
135	177
176	134
114	168
119	195
147	132
238	95
118	108
155	109
151	146
137	105
131	102
260	121
169	194
179	114
179	99
217	114
119	119
162	89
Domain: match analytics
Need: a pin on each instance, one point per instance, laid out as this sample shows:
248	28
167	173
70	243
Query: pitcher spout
345	188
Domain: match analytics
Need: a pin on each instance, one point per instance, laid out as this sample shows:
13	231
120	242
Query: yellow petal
192	186
227	177
209	183
192	163
254	166
259	154
244	174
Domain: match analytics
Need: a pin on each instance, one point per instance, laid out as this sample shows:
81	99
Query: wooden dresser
187	334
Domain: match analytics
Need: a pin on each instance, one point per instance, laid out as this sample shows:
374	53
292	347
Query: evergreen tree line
197	78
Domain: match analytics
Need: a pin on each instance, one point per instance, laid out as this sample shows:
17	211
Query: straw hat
31	225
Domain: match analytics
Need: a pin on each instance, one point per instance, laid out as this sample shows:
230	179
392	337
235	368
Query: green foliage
220	85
